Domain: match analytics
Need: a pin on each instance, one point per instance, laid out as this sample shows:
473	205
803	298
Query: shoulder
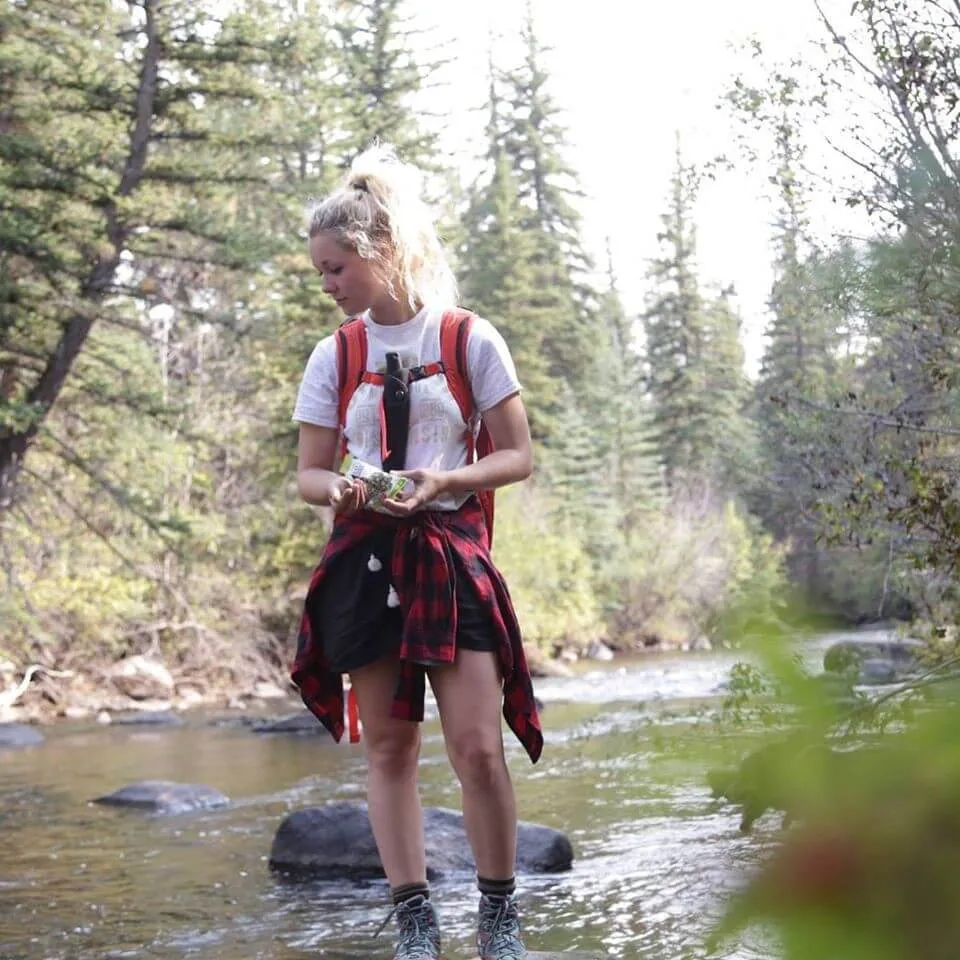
493	375
323	359
485	338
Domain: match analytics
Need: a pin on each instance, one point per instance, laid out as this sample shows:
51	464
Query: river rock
599	651
149	718
335	842
164	796
142	679
300	723
874	661
16	735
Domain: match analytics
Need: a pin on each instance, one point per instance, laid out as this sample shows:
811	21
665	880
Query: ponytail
378	211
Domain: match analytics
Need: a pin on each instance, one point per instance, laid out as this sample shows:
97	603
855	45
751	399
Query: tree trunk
14	444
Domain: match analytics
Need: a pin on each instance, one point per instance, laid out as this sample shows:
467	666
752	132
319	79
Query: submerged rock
873	662
164	796
335	842
298	723
16	735
149	718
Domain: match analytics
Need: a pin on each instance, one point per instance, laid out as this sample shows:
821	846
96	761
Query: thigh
469	695
375	686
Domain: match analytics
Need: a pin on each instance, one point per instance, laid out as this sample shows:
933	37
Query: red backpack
351	340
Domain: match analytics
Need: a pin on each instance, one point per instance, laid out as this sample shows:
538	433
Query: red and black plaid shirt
423	574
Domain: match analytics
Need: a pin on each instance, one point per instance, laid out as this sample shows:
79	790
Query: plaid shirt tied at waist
430	550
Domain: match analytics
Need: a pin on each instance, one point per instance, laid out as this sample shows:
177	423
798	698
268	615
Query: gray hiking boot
419	930
498	929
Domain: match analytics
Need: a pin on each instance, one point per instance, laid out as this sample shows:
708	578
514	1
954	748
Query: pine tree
727	394
694	357
676	329
500	281
620	412
799	361
99	185
380	74
502	276
534	137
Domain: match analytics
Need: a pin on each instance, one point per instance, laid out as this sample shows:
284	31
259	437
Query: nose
329	285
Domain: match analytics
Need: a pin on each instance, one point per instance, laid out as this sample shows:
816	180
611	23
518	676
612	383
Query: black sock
497	888
409	890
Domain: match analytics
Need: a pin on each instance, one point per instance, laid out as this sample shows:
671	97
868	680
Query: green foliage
699	565
694	358
551	586
868	866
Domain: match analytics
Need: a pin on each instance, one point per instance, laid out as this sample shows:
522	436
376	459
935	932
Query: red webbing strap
351	340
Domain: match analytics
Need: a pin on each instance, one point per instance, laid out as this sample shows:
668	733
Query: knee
477	756
395	751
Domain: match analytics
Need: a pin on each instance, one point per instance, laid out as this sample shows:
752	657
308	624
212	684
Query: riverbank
146	684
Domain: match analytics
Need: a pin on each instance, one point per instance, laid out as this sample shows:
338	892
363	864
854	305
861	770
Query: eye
336	271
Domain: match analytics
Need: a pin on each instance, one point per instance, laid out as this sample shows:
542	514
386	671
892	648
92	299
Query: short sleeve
493	375
317	398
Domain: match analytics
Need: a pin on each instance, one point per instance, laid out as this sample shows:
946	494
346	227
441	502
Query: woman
407	590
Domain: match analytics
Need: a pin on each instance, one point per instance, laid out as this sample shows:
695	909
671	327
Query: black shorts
357	627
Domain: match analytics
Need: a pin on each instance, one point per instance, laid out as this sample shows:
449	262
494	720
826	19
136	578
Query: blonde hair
378	210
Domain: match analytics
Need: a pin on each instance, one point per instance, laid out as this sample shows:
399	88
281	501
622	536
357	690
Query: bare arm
317	482
512	457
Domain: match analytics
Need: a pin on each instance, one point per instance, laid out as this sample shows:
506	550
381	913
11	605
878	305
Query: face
352	281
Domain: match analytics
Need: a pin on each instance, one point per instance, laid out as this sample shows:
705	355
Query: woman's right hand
346	496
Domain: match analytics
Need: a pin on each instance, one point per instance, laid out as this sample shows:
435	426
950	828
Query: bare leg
393	798
469	695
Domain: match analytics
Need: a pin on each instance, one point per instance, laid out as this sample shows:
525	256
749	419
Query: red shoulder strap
351	339
455	329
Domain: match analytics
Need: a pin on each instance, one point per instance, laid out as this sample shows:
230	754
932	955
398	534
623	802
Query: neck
390	312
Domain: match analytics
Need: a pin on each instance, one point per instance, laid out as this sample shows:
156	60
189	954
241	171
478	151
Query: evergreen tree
620	411
533	137
501	280
798	365
380	73
676	328
694	357
96	184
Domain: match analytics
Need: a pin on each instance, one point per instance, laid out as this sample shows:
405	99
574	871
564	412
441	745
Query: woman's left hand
428	485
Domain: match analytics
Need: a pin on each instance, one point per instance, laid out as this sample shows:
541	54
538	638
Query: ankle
407	891
497	888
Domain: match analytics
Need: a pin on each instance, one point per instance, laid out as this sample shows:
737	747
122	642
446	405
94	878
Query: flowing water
622	774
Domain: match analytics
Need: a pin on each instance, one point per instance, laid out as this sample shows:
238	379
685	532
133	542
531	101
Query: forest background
157	308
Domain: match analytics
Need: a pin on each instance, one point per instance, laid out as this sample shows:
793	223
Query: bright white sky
628	76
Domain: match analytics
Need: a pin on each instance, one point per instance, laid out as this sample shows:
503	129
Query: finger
401	508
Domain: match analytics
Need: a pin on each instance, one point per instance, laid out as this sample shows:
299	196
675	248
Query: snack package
380	484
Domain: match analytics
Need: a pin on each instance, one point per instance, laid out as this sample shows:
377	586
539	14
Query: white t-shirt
437	437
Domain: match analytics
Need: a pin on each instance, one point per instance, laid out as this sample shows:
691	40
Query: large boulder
15	735
164	796
874	661
335	842
142	679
